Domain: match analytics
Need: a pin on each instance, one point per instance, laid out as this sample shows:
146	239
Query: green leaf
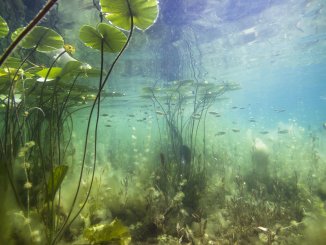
113	233
75	67
34	70
71	68
13	62
144	13
54	73
15	34
10	72
54	181
113	38
43	38
3	28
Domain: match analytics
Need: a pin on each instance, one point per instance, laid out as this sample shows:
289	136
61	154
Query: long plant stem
26	30
67	223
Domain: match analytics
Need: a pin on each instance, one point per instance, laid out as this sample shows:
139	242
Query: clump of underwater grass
28	86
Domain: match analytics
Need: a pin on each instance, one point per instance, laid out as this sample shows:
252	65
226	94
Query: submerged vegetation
186	183
38	102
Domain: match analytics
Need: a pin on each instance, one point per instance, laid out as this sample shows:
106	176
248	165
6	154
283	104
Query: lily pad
43	38
10	73
113	38
144	13
3	28
53	74
13	62
71	68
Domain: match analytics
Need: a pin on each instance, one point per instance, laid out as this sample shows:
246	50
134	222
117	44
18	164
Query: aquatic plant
28	29
115	232
39	103
183	107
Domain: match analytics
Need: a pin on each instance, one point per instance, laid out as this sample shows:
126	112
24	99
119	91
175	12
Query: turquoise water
210	130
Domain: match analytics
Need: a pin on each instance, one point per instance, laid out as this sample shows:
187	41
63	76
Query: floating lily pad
113	38
71	68
43	38
3	28
13	63
9	73
53	74
144	13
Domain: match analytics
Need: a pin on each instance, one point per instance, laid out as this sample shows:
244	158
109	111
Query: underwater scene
163	122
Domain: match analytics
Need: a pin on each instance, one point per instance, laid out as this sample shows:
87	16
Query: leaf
144	13
10	72
3	28
113	38
43	38
75	67
54	73
71	68
54	181
115	233
13	62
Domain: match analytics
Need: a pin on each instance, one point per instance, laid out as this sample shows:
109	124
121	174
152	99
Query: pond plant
38	102
189	185
181	109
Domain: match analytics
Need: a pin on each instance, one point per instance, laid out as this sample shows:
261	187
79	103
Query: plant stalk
28	29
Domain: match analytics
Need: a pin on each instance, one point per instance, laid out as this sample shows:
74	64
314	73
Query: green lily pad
113	38
54	73
34	70
10	72
144	13
43	38
13	62
71	68
3	28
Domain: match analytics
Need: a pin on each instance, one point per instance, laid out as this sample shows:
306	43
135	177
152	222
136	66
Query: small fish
242	108
141	120
283	131
213	112
236	130
108	126
218	115
160	113
105	115
279	110
131	115
220	133
234	107
252	120
195	116
263	132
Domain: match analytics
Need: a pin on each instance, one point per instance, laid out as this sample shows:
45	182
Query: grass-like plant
38	103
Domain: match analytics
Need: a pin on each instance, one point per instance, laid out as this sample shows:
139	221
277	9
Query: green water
200	123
